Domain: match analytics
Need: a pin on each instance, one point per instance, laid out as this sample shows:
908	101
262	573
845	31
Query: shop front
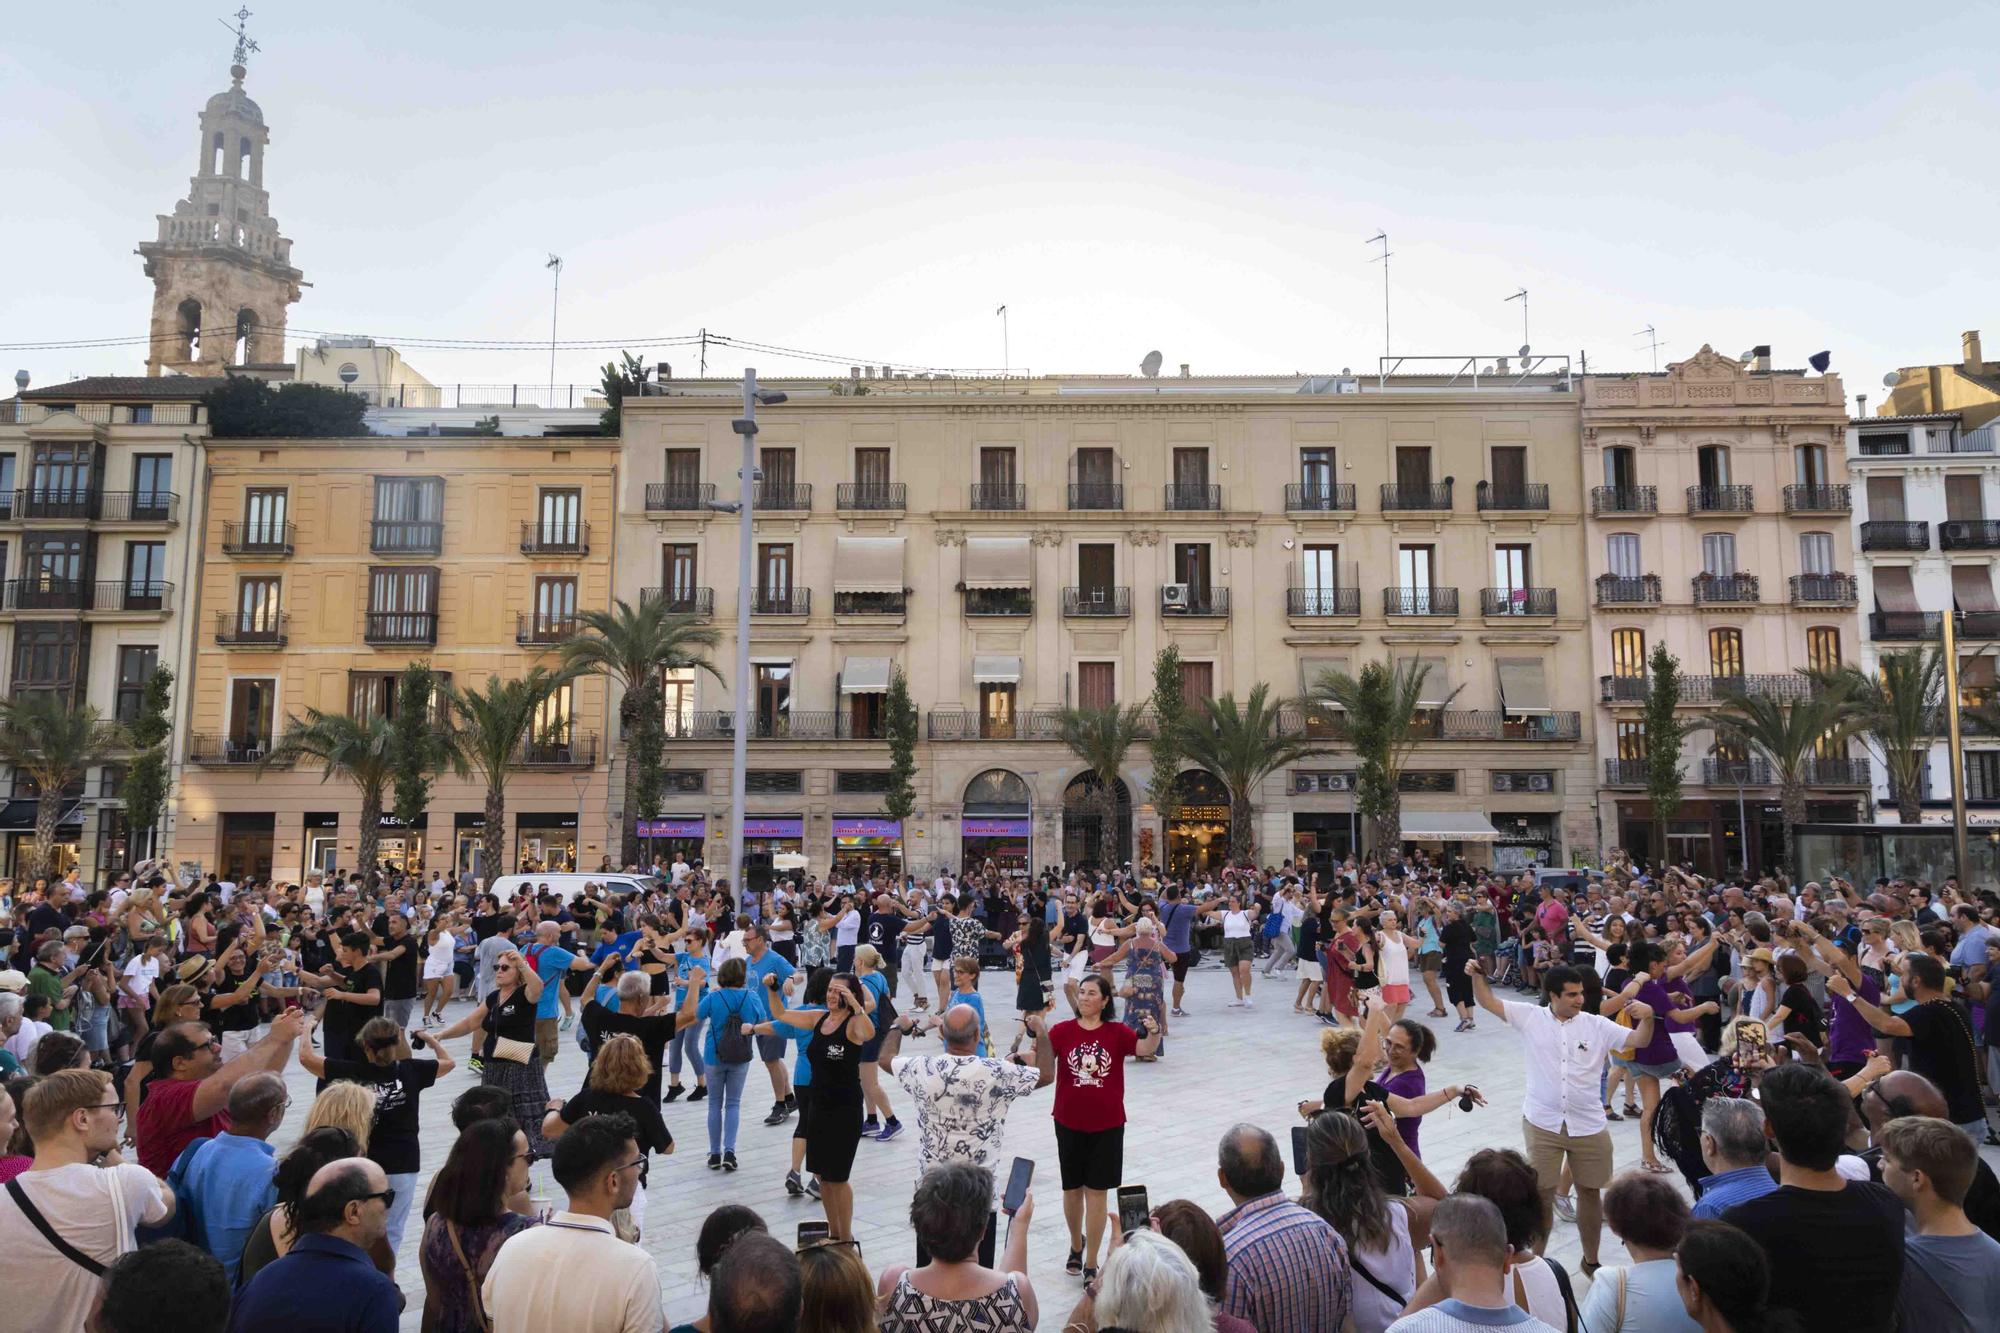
679	836
1724	837
773	836
18	819
322	835
399	846
1447	836
1198	837
1526	839
1322	838
996	824
248	841
544	840
868	845
468	828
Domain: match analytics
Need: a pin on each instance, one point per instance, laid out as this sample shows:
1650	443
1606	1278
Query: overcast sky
873	180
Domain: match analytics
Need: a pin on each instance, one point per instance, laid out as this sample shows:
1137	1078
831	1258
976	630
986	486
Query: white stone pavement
1223	1065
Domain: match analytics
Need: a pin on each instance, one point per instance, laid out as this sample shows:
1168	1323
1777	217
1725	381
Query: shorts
1589	1156
1309	970
772	1047
1091	1159
548	1039
1393	994
1182	961
1431	962
1664	1069
1235	951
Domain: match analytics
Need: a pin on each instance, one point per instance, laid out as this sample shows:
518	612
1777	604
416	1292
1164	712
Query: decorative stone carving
1145	536
1707	364
1047	537
1241	537
949	536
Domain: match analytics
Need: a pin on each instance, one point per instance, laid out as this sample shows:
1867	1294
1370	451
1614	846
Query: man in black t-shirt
399	954
1940	1033
350	993
884	930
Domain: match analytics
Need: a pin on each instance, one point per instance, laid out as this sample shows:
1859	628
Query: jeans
725	1104
688	1039
399	1011
405	1186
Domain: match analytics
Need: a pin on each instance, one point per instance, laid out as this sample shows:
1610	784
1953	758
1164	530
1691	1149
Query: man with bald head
962	1097
551	962
1901	1093
326	1283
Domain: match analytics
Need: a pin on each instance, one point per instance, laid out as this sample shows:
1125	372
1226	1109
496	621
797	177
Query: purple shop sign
672	828
774	828
979	827
867	828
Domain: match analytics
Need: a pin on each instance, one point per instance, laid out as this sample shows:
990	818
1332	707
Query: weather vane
244	45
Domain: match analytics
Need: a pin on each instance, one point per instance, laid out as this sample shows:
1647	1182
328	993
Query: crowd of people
1800	1065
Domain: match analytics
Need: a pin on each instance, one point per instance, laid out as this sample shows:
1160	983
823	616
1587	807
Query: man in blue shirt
326	1283
764	961
1732	1144
227	1179
551	962
1970	951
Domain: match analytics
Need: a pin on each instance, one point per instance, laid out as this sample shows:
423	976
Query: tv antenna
244	44
1522	297
1382	238
555	297
1652	335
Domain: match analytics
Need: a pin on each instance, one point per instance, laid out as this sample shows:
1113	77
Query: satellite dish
1523	352
1891	380
1150	367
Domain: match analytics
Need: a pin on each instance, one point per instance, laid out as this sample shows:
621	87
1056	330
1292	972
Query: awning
1447	826
1972	588
1312	668
1523	688
18	815
997	562
868	564
865	675
1437	681
1893	590
996	670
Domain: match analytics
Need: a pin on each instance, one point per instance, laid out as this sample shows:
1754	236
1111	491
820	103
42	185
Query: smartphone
1751	1038
1300	1152
811	1233
1134	1212
1017	1185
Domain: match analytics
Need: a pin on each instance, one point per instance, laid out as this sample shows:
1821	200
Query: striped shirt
1288	1270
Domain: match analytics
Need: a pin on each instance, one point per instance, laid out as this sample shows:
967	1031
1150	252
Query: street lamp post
582	783
1955	750
745	427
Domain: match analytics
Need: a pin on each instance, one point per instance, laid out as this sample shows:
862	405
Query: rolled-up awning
1312	668
998	562
1447	826
865	675
1437	681
1972	588
868	564
1893	590
996	670
1524	690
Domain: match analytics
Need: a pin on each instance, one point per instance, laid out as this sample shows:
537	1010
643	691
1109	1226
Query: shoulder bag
471	1278
63	1247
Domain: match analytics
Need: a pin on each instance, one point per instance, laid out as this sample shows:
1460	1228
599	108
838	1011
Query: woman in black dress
1035	992
833	1124
1457	938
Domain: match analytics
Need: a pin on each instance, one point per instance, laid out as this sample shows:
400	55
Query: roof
1908	416
113	388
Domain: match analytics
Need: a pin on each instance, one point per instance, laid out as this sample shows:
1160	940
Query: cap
12	980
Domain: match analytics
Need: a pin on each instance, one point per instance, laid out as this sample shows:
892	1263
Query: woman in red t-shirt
1091	1050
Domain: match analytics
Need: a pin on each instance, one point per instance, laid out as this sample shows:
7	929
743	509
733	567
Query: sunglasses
388	1198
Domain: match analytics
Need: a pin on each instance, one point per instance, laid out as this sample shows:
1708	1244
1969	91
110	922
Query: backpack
732	1047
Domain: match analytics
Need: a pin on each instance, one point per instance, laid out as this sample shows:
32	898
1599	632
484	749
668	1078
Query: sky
873	182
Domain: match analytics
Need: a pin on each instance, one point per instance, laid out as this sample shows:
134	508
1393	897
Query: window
253	708
1725	652
1096	684
136	664
1712	465
1628	653
1822	648
52	562
145	575
861	781
561	518
774	576
409	499
264	517
772	682
61	474
402	603
1510	470
1197	681
1620	472
257	607
1631	740
1316	471
1096	469
685	781
1191	566
6	485
1718	554
774	782
1096	570
1621	551
1413	467
678	574
372	694
554	716
996	710
1885	499
683	470
677	701
996	467
1510	569
152	484
1963	502
555	606
1426	781
45	657
1414	573
871	468
1816	553
780	467
1809	465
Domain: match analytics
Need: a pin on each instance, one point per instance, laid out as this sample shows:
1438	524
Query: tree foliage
1901	711
1789	734
1241	746
900	720
242	408
1169	722
618	381
55	745
145	787
1384	713
424	744
1665	730
1101	738
491	723
356	751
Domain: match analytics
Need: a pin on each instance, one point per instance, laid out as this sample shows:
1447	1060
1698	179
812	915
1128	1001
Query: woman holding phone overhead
833	1124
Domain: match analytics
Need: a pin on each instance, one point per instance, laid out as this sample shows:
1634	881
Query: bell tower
222	275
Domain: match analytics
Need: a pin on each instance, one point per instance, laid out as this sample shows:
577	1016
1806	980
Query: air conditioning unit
1541	782
1954	532
1174	597
725	724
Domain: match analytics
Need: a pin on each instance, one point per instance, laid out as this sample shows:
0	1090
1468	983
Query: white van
568	887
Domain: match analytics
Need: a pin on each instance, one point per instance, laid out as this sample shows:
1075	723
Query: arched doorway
1198	837
996	823
1083	820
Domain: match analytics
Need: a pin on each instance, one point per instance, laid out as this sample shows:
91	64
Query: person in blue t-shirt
763	962
551	962
965	991
797	1026
733	1006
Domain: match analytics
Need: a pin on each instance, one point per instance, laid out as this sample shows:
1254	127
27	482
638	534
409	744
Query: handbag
513	1050
471	1278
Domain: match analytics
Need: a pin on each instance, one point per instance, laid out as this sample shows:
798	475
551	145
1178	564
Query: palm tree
1384	719
1789	733
489	726
1241	746
1101	738
1900	709
633	647
362	752
56	745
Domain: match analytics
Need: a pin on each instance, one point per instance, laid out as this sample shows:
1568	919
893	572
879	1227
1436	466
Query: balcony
1624	772
1735	773
1824	590
999	495
1613	590
1313	497
1319	724
544	538
269	540
870	495
1877	535
999	602
1097	602
560	751
87	504
1096	495
1529	495
969	724
682	601
781	602
400	627
1720	500
1880	445
668	497
234	629
533	629
774	495
1725	589
1905	626
870	604
1707	689
406	536
1818	499
1837	773
782	725
1400	496
46	594
1420	602
1488	725
1517	602
1311	602
1626	500
1188	599
1191	495
228	752
1979	534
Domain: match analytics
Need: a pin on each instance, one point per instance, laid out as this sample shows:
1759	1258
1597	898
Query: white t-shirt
140	974
22	1044
1651	1300
438	962
1394	1264
679	870
45	1290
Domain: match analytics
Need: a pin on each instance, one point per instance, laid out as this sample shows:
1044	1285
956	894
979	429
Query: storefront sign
867	828
672	828
766	827
983	826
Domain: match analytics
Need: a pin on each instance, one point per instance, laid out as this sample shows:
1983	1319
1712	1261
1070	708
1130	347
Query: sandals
1075	1265
1436	1013
1610	1114
1632	1112
1657	1168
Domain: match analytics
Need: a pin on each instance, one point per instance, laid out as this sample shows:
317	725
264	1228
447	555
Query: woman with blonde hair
838	1293
874	994
398	1080
348	1106
617	1078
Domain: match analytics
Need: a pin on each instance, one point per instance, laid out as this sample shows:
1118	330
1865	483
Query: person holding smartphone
1091	1050
833	1121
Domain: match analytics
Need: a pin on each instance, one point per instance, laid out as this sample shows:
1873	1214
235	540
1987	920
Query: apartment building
1970	387
1017	546
1720	512
1927	511
329	565
99	498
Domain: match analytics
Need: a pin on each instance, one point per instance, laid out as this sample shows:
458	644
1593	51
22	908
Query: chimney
1760	359
1860	404
870	370
1975	364
1184	370
854	372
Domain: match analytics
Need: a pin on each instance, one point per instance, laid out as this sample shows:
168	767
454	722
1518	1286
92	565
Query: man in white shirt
21	1032
1562	1116
678	872
574	1273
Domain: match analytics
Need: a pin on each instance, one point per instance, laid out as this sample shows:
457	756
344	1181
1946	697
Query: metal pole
1742	829
740	738
555	299
1955	748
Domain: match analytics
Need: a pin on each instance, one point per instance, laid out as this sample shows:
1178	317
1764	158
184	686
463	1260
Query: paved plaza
1222	1066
